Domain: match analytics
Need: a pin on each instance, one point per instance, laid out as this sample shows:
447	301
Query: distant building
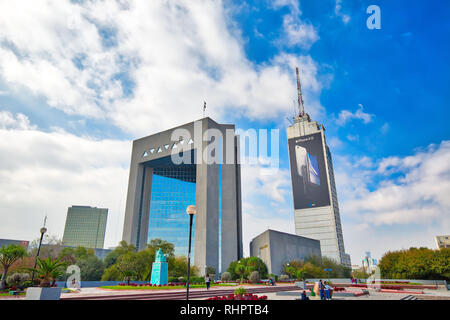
7	242
85	226
368	263
442	241
276	248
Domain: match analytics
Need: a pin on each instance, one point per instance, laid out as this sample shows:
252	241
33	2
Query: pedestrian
327	290
304	296
321	290
207	281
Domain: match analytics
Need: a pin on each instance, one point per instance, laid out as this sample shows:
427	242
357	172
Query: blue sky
79	80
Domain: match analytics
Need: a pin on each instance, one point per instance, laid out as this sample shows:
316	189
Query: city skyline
77	86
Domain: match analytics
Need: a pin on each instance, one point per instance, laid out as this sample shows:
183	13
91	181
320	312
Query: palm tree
9	255
49	270
240	270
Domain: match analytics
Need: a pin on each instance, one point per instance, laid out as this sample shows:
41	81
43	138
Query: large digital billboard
308	174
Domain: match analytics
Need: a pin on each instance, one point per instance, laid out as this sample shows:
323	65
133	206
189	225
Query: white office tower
316	209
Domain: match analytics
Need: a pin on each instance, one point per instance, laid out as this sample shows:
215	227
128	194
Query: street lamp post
43	231
191	211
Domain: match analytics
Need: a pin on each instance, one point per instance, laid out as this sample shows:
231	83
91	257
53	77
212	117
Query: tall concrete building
193	164
316	208
85	226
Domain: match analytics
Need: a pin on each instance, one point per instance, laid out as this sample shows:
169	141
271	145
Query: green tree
121	249
126	265
416	263
112	274
8	255
178	267
167	248
91	268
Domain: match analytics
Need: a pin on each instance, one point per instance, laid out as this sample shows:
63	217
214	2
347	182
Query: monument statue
160	269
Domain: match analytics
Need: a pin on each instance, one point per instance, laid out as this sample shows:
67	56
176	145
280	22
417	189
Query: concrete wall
282	248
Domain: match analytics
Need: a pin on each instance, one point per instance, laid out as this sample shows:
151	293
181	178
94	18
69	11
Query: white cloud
46	172
153	70
416	194
338	12
297	31
346	116
394	202
19	121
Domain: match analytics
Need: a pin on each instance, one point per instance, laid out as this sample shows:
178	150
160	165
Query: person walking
327	289
207	281
321	290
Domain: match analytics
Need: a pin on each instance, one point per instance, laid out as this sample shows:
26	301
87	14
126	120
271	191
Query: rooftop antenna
204	109
301	107
290	120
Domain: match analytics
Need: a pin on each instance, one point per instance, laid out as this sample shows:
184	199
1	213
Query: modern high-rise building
316	209
85	226
442	241
193	164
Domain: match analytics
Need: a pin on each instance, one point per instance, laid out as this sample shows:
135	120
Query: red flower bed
338	289
383	286
247	296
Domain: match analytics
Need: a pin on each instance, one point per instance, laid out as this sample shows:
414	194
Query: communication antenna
204	109
290	120
301	107
45	220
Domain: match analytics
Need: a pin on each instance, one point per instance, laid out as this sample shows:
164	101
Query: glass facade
173	190
85	226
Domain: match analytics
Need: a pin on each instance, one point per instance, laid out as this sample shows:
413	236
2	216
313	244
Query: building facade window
173	190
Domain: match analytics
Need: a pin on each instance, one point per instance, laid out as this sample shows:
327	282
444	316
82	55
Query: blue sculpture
160	270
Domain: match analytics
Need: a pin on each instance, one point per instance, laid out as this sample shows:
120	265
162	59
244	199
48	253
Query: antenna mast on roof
301	108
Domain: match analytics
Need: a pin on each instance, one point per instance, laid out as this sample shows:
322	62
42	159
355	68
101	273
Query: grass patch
6	294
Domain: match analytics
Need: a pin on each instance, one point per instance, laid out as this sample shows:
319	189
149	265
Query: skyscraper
85	226
316	208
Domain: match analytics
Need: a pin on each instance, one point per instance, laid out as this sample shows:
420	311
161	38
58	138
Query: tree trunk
3	282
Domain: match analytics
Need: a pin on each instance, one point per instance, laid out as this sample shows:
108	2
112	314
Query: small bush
18	279
226	276
240	291
254	277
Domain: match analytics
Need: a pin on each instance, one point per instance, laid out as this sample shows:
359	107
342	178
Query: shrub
254	277
18	279
226	276
240	291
